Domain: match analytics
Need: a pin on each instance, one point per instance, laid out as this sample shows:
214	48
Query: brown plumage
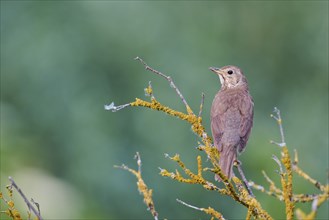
231	116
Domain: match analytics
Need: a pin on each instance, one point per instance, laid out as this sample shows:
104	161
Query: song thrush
231	116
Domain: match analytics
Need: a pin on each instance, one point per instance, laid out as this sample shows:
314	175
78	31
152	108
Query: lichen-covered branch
142	187
193	178
241	196
245	181
286	173
254	207
304	175
236	189
209	210
171	83
11	211
273	190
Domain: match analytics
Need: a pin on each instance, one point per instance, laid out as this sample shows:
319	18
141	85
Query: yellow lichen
11	203
149	90
249	213
287	183
199	166
213	212
243	197
286	179
142	187
11	211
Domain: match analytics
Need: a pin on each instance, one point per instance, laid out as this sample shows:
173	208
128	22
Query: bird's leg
238	164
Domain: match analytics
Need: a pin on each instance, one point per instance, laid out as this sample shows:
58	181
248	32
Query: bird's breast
224	101
231	119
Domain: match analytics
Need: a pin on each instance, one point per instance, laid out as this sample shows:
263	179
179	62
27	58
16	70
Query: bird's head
230	76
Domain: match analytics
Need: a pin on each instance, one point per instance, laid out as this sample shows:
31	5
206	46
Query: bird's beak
216	70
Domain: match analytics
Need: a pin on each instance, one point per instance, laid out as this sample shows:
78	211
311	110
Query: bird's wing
217	130
246	108
217	124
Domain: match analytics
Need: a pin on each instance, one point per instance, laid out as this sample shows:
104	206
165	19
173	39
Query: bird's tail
226	161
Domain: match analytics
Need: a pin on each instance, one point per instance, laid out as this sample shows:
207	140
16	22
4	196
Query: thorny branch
114	108
276	159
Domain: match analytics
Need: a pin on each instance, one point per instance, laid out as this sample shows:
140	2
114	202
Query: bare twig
171	83
36	204
188	205
273	187
208	210
27	202
113	108
286	176
279	121
244	179
276	159
139	162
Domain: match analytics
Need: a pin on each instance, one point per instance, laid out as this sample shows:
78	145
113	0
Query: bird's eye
230	72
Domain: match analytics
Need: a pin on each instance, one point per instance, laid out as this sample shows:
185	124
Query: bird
231	116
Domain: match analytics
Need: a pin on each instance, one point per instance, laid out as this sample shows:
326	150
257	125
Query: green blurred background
61	61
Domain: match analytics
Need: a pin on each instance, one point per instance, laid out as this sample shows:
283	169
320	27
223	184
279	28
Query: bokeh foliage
61	61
